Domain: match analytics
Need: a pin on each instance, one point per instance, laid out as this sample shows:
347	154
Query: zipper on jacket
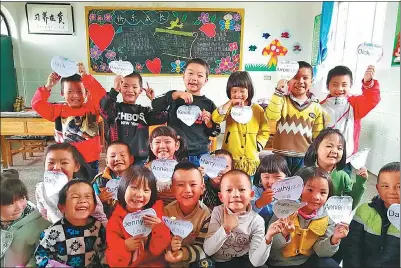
228	135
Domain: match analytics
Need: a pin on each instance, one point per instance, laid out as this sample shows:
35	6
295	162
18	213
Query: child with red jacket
79	116
137	191
345	112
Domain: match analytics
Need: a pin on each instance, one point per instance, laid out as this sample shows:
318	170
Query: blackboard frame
241	11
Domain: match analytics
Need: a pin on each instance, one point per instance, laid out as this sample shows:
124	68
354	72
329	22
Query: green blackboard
161	41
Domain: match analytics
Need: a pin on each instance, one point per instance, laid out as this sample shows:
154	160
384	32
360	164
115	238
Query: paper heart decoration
123	68
154	66
372	51
339	208
178	227
163	169
289	188
241	114
287	69
112	186
393	215
133	222
358	160
53	181
285	207
101	35
64	67
209	29
188	114
212	164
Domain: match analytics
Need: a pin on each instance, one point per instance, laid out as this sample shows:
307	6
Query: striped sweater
297	125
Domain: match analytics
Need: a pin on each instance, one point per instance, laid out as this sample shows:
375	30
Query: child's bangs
13	192
242	83
140	182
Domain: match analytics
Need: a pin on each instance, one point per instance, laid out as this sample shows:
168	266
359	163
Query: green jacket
344	185
19	241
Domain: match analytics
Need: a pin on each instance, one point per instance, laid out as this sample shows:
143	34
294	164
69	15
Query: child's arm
358	187
259	251
39	200
154	118
96	90
108	103
262	200
100	246
98	213
279	241
323	246
264	130
318	124
275	107
220	114
216	235
117	254
162	102
214	129
45	250
352	246
160	238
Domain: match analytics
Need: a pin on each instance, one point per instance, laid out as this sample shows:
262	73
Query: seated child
118	159
309	238
188	186
21	222
164	143
373	241
236	234
345	112
79	116
197	136
64	158
272	168
77	240
137	191
212	185
127	121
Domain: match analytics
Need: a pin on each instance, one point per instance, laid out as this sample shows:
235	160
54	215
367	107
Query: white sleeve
216	235
259	251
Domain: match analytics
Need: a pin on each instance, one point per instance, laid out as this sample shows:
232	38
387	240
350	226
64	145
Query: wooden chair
26	144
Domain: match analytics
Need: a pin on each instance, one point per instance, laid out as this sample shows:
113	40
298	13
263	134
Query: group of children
82	225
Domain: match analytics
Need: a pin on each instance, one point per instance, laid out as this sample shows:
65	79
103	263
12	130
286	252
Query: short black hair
241	79
337	71
133	174
272	163
390	167
304	64
308	173
237	172
62	195
186	165
310	158
181	154
11	187
200	62
226	153
119	142
135	75
72	78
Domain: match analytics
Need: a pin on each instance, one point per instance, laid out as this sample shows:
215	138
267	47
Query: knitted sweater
344	185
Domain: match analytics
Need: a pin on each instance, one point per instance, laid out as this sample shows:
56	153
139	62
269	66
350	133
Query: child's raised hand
230	221
363	172
105	195
151	221
135	242
288	224
207	118
274	228
150	93
52	80
237	102
202	171
369	74
176	243
340	231
81	69
281	84
174	257
265	199
117	82
187	97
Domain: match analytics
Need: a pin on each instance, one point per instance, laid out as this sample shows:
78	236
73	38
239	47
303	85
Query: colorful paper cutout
265	35
101	35
274	50
296	48
285	34
154	66
252	48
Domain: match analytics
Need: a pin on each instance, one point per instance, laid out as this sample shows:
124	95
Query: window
4	30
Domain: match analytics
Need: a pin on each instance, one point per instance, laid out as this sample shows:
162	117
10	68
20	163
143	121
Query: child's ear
220	197
61	208
377	187
177	145
131	159
77	167
202	188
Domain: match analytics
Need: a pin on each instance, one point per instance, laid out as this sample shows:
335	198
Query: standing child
328	152
21	222
127	121
77	240
79	116
212	185
243	141
373	241
188	187
66	159
309	237
137	191
118	159
236	234
346	112
272	168
299	118
197	136
165	144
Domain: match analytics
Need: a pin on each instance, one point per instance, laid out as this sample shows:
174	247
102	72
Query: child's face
130	89
236	193
339	86
137	195
79	203
118	158
388	188
301	83
330	151
239	93
74	93
187	187
194	77
268	179
315	193
62	161
13	211
164	147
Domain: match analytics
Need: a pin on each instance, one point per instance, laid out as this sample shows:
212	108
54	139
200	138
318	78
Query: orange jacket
118	256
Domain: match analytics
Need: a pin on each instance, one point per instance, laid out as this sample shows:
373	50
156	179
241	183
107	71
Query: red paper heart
209	29
101	35
154	66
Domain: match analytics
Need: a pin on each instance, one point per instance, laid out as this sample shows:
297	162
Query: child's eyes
229	190
194	185
242	190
